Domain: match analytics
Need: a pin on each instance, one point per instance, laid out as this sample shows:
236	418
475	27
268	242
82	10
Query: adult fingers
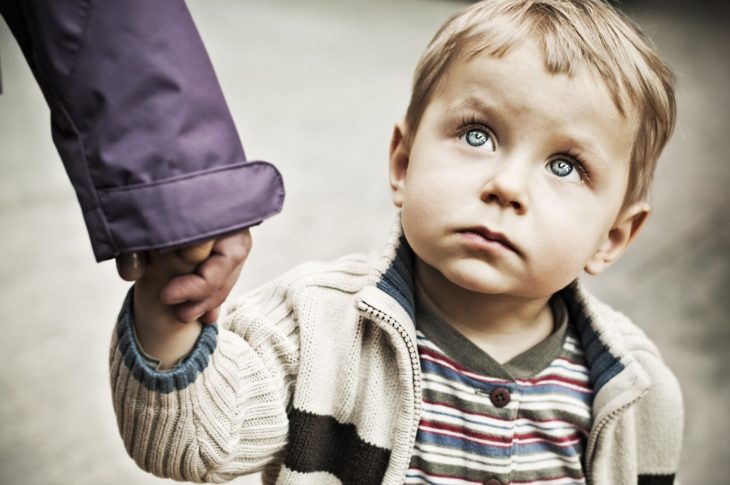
214	274
196	253
210	316
187	312
187	287
191	311
131	266
207	310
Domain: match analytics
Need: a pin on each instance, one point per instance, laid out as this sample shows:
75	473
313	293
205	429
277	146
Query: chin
477	283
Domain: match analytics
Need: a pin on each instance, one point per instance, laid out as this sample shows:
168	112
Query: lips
491	236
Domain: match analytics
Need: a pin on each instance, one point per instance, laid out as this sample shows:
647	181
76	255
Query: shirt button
492	481
500	397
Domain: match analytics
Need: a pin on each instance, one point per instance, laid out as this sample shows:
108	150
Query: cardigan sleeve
223	411
140	123
660	414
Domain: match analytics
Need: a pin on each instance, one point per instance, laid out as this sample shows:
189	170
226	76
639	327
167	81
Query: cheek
568	239
428	193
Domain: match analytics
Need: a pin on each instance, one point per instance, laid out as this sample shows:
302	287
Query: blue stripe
431	438
423	477
603	365
553	388
168	381
397	281
550	447
557	364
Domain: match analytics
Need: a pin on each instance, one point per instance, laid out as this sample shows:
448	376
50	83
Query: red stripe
545	380
552	374
539	436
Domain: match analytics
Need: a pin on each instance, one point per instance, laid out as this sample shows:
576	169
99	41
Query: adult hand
131	266
198	295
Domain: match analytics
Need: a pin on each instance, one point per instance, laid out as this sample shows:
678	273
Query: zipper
376	314
597	431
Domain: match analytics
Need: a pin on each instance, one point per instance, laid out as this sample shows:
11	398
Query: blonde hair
571	33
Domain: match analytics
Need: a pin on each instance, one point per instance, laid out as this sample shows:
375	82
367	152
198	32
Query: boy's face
515	178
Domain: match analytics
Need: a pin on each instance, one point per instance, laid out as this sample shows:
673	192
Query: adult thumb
131	266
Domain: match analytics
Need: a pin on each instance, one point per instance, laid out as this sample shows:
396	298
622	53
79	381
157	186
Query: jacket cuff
168	381
184	210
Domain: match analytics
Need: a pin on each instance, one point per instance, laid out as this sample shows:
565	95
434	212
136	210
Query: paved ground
315	87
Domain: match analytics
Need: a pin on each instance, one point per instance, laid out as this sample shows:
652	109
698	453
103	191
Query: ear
399	156
619	237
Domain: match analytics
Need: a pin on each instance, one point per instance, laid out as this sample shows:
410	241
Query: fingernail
131	266
134	261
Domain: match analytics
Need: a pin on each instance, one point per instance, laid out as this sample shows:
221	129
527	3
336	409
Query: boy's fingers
131	266
197	253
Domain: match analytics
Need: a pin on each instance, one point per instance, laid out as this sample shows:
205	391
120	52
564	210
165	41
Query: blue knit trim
602	364
164	382
397	281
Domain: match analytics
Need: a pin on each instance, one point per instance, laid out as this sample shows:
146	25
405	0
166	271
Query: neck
502	325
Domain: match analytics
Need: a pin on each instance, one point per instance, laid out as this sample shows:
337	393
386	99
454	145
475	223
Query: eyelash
471	122
475	121
579	164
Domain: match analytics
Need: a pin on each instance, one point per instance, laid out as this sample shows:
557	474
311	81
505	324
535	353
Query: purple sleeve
140	122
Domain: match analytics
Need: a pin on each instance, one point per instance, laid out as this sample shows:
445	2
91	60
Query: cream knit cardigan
314	378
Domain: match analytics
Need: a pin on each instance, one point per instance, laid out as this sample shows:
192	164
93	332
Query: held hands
194	280
177	292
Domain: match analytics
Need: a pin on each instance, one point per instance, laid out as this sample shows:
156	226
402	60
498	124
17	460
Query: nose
507	186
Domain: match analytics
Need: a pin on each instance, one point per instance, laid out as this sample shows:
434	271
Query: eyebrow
475	103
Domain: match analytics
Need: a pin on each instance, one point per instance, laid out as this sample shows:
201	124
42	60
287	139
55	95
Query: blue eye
479	138
561	167
565	169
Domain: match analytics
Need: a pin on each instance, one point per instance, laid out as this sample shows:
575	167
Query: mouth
488	237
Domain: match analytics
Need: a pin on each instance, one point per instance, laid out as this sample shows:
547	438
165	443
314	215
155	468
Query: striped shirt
522	422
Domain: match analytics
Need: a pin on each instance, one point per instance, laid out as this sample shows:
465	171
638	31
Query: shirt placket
503	403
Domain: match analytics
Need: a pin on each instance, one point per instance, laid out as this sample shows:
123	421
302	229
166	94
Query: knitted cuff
167	381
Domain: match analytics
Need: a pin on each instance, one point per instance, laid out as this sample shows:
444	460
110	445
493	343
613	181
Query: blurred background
315	87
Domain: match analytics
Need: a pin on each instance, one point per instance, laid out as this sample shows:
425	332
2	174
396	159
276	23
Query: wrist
160	333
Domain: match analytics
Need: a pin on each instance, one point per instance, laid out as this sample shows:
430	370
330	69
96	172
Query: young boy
468	352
